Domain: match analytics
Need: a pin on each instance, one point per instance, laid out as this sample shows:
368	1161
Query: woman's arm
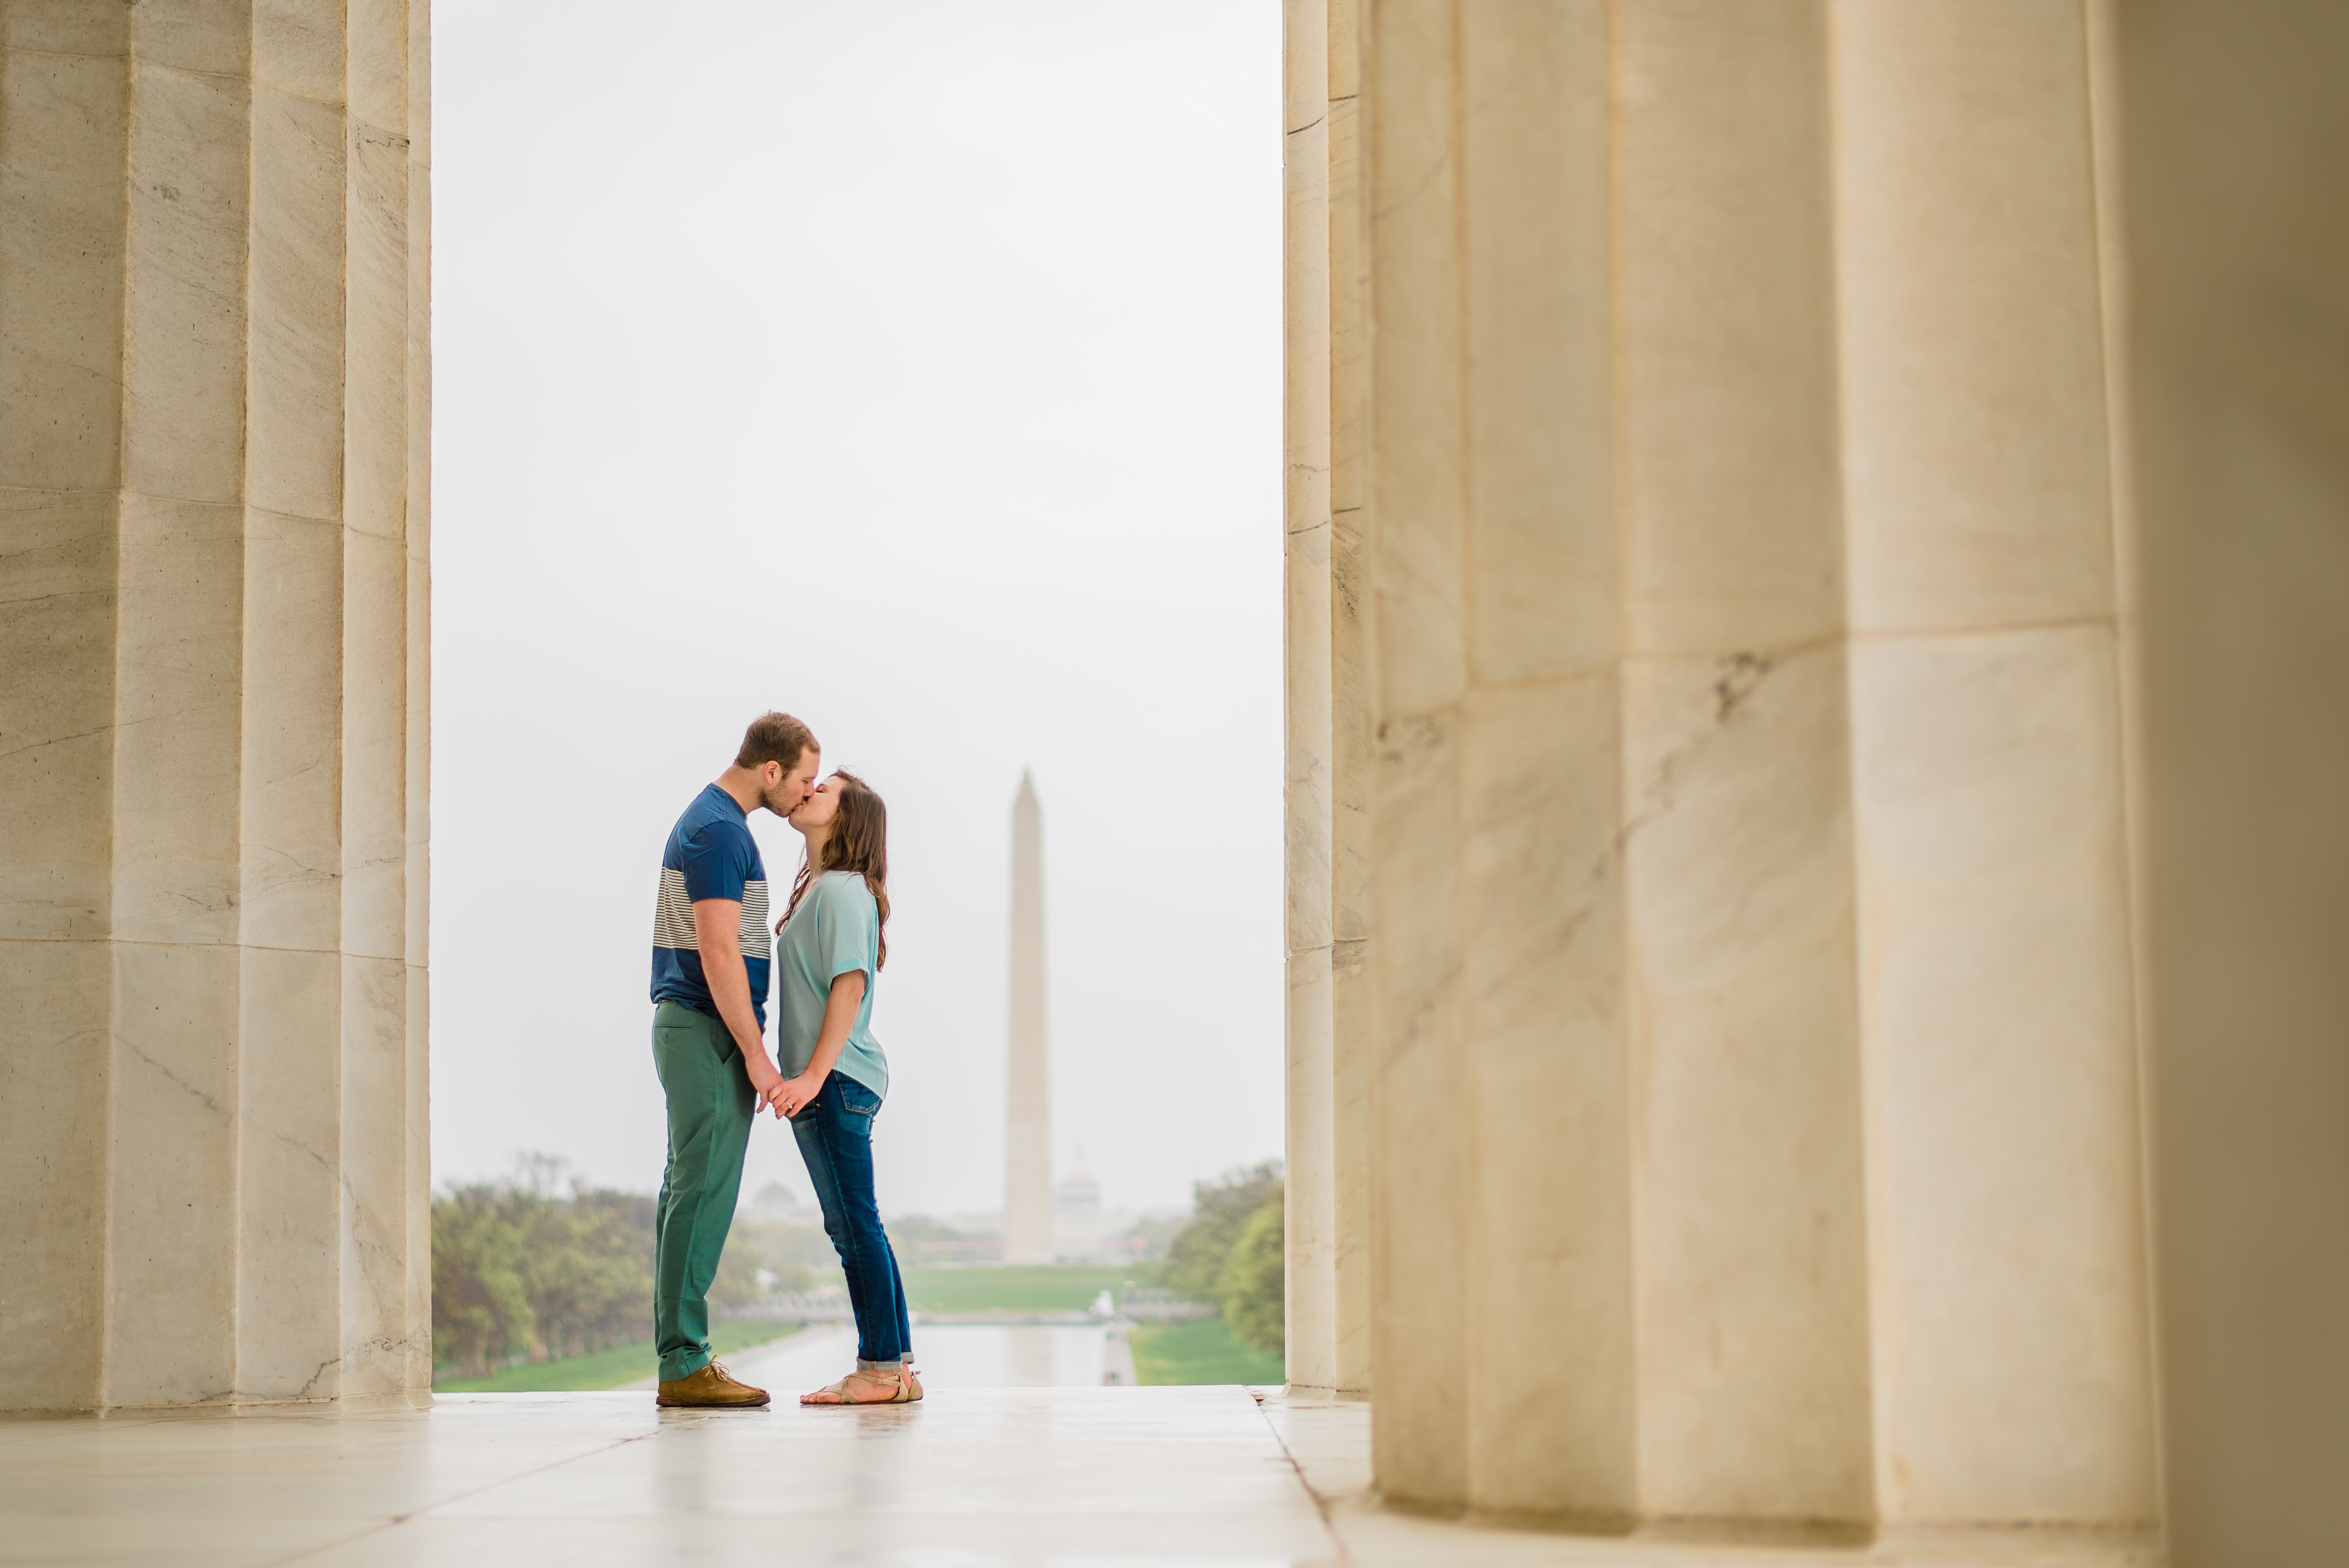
839	1017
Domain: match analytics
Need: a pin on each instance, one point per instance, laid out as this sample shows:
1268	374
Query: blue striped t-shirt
711	855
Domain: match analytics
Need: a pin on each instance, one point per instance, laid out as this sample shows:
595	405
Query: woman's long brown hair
859	843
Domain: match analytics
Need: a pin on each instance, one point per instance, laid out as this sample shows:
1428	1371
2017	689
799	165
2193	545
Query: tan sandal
903	1386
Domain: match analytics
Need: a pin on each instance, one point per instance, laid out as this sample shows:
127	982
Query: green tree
481	1305
1254	1292
534	1267
589	1269
521	1269
1220	1212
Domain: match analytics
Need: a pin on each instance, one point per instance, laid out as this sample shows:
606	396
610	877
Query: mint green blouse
835	931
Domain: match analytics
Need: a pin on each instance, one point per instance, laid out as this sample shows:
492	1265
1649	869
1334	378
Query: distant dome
1078	1191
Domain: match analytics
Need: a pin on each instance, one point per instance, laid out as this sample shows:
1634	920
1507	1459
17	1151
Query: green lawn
1200	1351
1040	1287
614	1368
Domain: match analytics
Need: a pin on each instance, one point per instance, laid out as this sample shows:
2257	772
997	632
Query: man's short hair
774	738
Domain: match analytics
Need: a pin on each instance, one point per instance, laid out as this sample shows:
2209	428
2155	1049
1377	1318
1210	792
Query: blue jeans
835	1137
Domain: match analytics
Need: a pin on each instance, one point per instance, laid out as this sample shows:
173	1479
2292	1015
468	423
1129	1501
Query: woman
830	953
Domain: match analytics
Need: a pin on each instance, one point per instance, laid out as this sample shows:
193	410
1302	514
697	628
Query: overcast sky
913	368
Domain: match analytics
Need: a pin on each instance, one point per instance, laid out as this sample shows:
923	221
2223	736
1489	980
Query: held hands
785	1095
790	1095
765	1077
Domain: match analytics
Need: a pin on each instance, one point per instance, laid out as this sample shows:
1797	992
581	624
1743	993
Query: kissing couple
712	958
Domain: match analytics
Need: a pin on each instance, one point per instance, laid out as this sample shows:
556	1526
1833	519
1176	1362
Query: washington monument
1027	1129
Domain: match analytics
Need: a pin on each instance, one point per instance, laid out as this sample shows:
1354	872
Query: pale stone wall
214	395
1752	1078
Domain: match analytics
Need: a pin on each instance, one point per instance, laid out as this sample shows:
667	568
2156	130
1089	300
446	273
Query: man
711	950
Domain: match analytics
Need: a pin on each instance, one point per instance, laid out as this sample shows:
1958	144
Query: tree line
532	1267
1231	1254
535	1266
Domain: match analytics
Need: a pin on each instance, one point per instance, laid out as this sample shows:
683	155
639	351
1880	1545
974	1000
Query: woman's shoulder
843	884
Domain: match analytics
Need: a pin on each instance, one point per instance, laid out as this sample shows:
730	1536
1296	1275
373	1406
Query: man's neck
742	786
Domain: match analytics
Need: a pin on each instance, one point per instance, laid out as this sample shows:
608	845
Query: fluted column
1502	1314
1310	1249
1352	952
1989	761
1327	784
213	333
1754	1137
1752	1292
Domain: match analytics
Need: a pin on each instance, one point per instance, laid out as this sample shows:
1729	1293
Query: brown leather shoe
711	1389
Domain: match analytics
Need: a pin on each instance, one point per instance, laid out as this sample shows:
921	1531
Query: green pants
710	1107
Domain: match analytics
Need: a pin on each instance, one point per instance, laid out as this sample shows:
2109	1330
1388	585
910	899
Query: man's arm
839	1018
718	928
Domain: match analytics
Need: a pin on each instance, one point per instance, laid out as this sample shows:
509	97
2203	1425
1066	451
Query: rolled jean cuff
865	1366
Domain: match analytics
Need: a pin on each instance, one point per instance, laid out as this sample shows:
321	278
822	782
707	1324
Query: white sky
914	367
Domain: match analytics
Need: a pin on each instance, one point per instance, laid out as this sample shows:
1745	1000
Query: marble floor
971	1478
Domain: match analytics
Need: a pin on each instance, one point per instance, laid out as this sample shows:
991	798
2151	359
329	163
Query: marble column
1991	762
215	368
1310	1244
1754	1098
1028	1099
1351	951
1750	1284
1327	743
